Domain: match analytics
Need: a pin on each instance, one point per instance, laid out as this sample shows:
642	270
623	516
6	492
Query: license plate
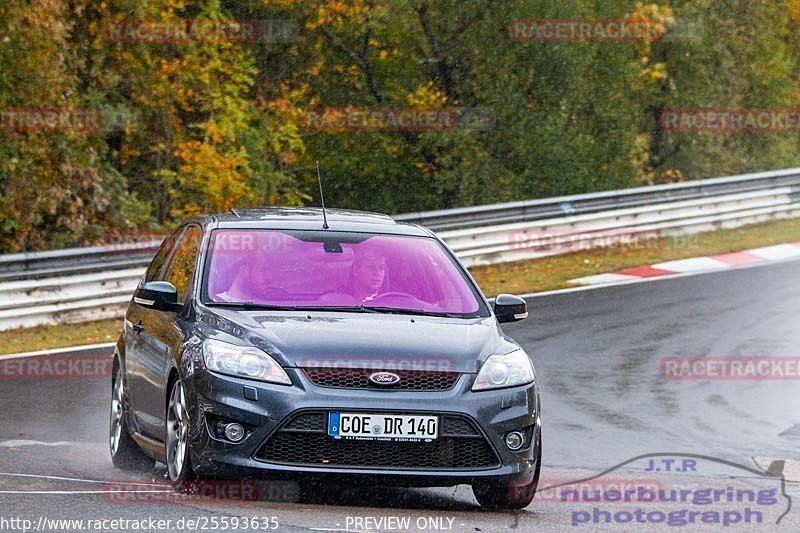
372	426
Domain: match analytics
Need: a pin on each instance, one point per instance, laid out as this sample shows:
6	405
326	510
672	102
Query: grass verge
522	277
551	273
45	337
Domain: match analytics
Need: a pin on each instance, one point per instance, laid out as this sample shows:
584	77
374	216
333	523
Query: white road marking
57	478
544	294
602	278
775	253
83	491
18	443
56	351
79	480
693	264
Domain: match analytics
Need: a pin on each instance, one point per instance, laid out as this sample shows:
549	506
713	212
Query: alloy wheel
115	428
177	431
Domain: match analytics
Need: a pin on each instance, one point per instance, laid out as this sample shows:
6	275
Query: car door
139	371
162	334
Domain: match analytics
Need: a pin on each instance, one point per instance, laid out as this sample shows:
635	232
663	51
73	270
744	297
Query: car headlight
507	370
243	361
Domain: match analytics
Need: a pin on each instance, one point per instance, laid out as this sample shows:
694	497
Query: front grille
354	378
458	427
460	446
314	422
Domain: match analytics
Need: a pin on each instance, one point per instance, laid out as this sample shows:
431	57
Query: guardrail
42	265
547	208
74	285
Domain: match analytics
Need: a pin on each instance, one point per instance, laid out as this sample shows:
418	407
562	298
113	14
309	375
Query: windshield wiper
251	306
373	309
333	308
419	312
267	307
339	308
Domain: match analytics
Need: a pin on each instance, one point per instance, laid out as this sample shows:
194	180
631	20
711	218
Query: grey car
269	343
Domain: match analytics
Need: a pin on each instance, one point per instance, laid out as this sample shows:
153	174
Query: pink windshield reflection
275	268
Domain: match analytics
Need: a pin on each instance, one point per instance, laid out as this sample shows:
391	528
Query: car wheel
125	453
507	497
177	435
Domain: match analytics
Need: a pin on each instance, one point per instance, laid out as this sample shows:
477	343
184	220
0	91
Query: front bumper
493	413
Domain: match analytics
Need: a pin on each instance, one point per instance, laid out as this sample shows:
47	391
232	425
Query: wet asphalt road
597	355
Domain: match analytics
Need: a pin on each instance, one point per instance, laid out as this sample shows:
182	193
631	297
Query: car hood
376	341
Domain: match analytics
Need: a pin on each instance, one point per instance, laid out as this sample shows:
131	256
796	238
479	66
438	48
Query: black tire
125	453
502	496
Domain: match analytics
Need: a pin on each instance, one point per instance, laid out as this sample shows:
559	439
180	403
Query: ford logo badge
384	378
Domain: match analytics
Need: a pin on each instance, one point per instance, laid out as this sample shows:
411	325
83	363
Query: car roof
310	218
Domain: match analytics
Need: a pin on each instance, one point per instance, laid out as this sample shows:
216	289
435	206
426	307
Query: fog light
234	432
515	440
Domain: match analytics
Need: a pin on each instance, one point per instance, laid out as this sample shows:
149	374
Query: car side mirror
510	308
158	295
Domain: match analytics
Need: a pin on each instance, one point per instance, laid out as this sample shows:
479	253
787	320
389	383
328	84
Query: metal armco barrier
82	284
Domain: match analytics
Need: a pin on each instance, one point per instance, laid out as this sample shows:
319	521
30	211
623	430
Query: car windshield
337	270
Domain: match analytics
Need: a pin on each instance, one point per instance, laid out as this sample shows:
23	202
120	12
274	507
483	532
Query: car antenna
235	212
322	200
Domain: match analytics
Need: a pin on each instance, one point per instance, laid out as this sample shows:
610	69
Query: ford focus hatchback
267	343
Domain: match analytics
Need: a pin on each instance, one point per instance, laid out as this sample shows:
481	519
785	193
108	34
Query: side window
156	267
181	269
